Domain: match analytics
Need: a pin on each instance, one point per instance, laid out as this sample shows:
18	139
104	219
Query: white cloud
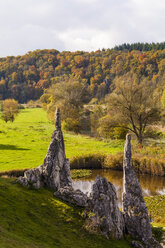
27	38
86	1
88	39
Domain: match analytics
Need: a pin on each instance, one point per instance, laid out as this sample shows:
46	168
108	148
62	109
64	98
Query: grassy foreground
32	218
24	143
156	207
35	219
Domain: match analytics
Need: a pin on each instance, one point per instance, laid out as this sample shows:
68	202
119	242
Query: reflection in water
84	186
151	185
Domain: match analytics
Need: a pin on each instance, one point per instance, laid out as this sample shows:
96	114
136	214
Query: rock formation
55	171
75	197
136	244
106	216
137	222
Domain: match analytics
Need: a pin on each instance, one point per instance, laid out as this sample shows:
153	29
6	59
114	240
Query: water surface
151	185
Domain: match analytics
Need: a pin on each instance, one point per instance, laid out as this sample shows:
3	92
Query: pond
151	185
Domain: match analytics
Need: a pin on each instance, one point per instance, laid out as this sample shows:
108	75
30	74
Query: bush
149	165
141	164
151	133
72	125
21	106
119	133
114	161
34	104
10	109
89	161
106	130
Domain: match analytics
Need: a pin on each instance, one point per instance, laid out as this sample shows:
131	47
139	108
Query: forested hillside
26	77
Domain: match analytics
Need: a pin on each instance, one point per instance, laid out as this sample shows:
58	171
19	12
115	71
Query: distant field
24	143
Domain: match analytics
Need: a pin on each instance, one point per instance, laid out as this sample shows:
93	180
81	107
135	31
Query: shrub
114	161
149	165
34	104
151	133
21	106
106	130
141	164
72	125
10	109
89	161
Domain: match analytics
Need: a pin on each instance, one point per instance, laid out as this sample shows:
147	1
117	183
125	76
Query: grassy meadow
24	143
156	207
35	219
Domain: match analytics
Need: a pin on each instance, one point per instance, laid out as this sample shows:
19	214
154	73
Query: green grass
35	219
75	174
156	207
24	143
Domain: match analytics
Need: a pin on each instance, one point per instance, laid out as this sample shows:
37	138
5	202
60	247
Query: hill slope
35	219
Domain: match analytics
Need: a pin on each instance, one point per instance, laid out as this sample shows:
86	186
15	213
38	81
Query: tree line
141	46
26	77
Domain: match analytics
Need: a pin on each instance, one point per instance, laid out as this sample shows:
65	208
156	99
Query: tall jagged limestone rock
135	212
55	171
106	217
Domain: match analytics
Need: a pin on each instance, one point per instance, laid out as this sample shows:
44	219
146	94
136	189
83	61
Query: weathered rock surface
151	243
106	216
136	244
55	171
23	181
75	197
135	212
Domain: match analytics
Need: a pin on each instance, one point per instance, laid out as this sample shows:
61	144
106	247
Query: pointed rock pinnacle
58	120
137	221
127	152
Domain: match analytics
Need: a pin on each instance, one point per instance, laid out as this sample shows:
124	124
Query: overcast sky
27	25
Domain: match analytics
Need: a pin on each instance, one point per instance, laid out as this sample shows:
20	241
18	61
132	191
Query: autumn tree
69	96
10	109
134	105
163	99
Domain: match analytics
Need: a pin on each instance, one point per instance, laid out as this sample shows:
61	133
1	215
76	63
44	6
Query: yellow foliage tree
10	109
